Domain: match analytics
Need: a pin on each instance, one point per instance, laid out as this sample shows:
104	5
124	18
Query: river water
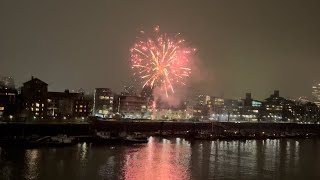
165	159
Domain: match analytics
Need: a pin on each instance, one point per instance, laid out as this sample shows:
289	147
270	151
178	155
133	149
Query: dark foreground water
168	159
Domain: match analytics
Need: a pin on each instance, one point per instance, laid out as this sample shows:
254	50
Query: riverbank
45	129
150	127
228	136
85	132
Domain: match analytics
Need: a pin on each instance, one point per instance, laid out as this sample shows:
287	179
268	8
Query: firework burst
161	60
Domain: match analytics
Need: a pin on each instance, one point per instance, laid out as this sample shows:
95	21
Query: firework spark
161	60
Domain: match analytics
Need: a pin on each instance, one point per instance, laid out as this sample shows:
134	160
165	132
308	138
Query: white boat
133	139
62	139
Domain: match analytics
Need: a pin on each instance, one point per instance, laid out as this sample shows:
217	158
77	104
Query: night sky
242	46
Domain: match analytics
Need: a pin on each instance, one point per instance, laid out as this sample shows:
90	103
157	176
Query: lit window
81	106
105	112
37	104
1	108
80	110
37	109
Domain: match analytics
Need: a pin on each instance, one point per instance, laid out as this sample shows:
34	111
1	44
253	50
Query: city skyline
241	47
138	90
35	101
313	98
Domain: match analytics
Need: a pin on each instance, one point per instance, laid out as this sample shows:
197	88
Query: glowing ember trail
161	60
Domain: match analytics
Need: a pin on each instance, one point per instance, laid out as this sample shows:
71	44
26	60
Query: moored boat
47	141
131	139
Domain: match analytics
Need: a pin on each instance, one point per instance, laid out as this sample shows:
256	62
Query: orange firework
161	60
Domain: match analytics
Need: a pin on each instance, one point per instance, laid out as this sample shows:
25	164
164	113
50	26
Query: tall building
201	106
251	109
316	94
311	112
63	105
34	98
103	103
232	110
167	111
217	108
132	107
82	106
8	102
277	108
222	109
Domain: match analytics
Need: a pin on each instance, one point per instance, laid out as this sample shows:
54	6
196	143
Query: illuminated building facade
34	99
222	109
278	109
232	110
82	106
8	102
311	112
201	106
225	109
167	111
251	109
103	103
316	94
66	105
132	107
170	114
217	109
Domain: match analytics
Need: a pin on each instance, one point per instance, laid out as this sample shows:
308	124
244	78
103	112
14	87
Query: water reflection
157	161
174	158
31	161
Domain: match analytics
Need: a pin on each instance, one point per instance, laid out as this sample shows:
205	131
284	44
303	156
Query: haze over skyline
247	46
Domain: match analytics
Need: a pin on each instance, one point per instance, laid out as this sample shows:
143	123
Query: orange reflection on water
157	161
